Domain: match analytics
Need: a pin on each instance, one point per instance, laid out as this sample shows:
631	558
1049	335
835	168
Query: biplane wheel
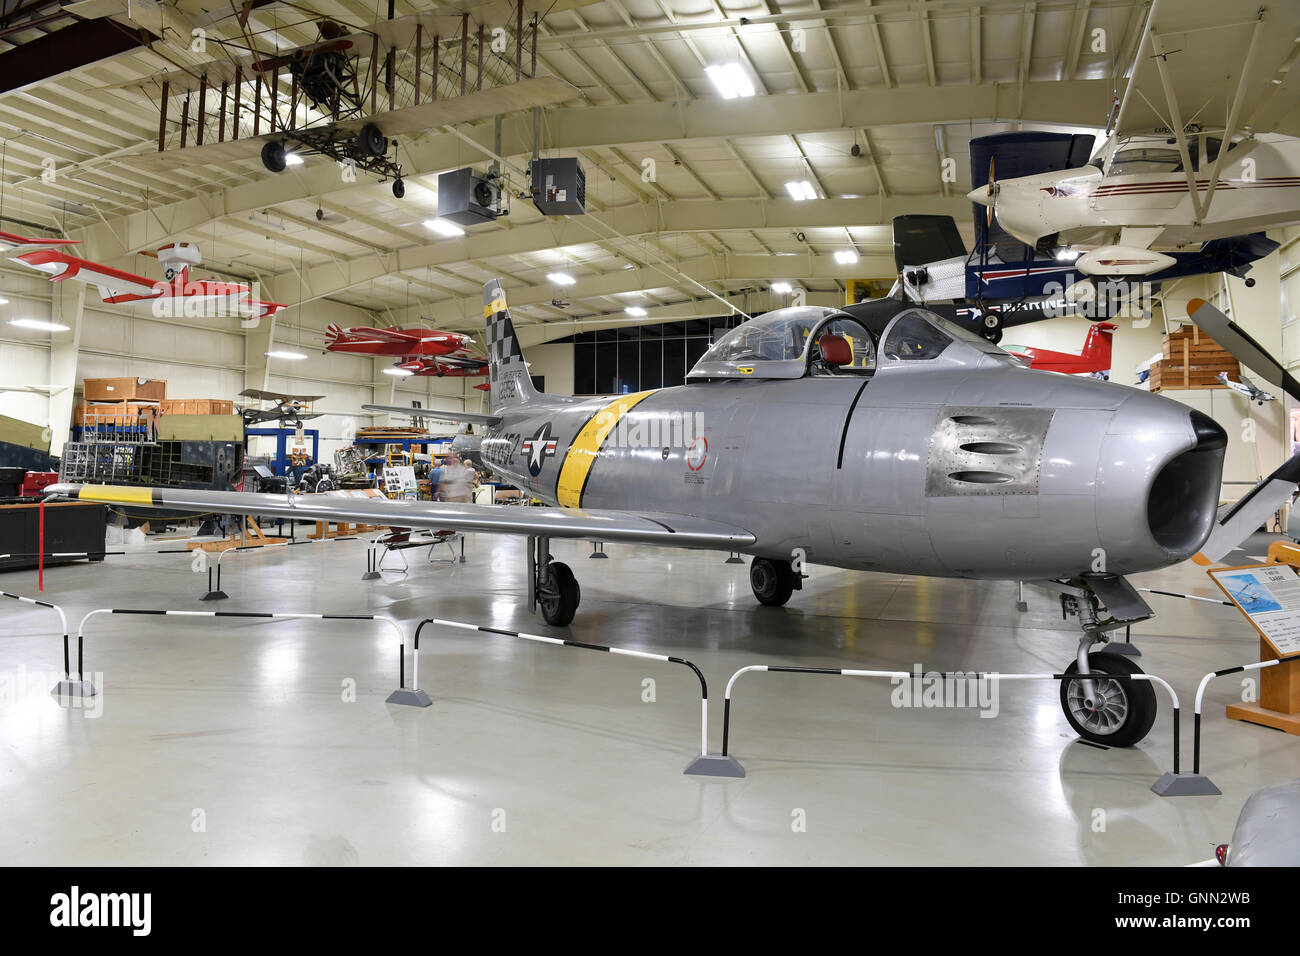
399	188
993	335
559	594
273	157
372	140
771	581
1250	283
1122	711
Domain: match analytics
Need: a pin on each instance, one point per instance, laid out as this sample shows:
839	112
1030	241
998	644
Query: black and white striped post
216	594
1200	698
1169	785
66	688
402	695
704	759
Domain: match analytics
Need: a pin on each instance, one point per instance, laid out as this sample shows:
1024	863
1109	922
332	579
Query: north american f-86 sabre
910	445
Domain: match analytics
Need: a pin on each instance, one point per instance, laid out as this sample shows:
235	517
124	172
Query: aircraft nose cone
980	195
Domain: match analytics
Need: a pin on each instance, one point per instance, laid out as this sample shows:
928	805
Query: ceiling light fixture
561	278
800	190
635	310
293	159
730	79
403	372
846	257
444	228
782	288
38	324
281	354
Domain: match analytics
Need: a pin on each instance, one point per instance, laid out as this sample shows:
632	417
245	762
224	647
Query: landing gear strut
1104	704
551	584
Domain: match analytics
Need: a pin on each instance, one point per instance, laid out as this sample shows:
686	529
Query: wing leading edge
667	530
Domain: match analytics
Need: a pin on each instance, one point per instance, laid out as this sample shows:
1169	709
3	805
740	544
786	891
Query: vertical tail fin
1097	344
507	370
334	335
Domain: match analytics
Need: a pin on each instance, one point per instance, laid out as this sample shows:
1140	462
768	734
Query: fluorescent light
846	257
292	356
398	371
443	227
3	300
38	324
1067	255
782	288
800	190
561	278
730	79
292	159
635	310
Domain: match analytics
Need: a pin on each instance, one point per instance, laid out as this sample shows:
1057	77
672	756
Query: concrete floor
231	742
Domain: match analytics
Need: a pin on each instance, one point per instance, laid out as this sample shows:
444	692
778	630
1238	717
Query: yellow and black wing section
667	530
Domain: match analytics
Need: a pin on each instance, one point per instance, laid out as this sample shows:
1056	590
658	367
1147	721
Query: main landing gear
1104	703
773	581
551	584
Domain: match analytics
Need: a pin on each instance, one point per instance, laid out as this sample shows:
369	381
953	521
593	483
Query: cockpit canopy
785	343
815	341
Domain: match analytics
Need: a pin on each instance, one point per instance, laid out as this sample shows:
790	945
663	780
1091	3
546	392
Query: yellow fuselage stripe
584	451
116	493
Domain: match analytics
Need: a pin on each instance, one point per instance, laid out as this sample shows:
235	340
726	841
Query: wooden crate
100	413
196	406
1192	360
124	389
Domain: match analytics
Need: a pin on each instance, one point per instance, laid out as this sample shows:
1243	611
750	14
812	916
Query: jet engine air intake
1181	503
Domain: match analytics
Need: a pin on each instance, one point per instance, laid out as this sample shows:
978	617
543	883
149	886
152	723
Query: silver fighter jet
807	436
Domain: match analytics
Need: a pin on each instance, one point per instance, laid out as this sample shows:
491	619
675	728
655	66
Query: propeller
992	193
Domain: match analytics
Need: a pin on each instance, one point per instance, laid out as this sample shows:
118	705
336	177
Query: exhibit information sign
1269	596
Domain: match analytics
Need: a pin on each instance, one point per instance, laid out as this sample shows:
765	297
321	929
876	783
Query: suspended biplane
349	92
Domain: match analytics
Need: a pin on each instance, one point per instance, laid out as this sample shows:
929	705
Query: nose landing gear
1103	703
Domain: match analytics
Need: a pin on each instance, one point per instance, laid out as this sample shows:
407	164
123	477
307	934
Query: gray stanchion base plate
215	596
1022	606
1123	647
370	576
715	765
1185	785
411	698
734	561
68	689
598	554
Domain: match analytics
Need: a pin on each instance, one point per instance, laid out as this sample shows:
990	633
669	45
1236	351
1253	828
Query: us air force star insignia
539	448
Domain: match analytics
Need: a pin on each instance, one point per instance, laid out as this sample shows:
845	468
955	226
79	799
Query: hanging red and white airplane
1094	358
175	296
422	351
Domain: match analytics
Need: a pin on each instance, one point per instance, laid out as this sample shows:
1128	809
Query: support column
64	347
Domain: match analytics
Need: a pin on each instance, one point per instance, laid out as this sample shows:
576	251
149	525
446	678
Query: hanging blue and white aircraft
911	446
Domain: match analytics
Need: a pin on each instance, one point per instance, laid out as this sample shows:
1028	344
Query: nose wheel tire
1122	711
772	581
273	157
558	594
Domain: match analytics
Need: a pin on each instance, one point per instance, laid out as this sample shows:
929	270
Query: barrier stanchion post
66	689
412	697
216	594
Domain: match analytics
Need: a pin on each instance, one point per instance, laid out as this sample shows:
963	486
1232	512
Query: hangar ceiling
862	100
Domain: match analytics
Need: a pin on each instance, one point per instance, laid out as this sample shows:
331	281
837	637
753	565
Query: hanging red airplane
176	295
1094	358
422	351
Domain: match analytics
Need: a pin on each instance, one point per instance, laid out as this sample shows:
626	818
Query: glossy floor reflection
254	741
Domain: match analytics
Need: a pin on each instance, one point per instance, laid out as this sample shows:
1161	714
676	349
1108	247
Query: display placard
1269	596
399	482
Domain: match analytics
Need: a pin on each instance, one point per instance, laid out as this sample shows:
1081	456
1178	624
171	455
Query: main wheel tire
560	602
372	140
1123	711
772	581
399	188
273	156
